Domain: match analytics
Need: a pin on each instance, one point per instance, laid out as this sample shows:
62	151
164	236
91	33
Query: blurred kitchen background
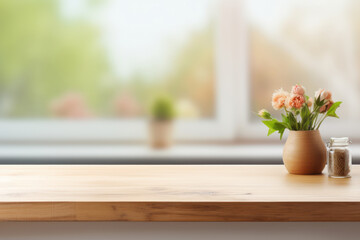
96	60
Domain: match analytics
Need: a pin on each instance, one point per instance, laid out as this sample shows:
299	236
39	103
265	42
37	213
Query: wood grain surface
174	193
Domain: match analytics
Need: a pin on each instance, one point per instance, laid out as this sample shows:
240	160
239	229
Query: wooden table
174	193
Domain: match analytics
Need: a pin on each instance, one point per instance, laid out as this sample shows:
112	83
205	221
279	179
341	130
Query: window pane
105	59
312	43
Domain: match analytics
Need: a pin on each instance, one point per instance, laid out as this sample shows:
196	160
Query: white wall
178	231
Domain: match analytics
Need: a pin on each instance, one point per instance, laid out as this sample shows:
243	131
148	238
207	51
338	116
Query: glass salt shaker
339	158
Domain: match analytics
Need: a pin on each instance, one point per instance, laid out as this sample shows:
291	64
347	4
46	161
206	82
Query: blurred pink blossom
126	105
71	105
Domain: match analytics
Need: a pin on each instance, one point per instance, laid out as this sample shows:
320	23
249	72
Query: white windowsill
141	154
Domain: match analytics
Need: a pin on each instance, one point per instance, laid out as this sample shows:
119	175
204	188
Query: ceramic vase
304	153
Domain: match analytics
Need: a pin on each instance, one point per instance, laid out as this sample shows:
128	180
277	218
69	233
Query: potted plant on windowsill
161	123
304	151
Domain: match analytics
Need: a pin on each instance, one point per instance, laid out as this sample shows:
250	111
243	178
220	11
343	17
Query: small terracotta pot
161	133
304	153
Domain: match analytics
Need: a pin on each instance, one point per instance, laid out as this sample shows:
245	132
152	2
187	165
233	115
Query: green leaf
271	131
269	124
306	124
305	115
274	124
320	103
312	119
332	110
293	121
281	133
286	121
303	112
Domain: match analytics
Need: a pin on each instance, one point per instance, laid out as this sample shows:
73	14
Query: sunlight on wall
313	43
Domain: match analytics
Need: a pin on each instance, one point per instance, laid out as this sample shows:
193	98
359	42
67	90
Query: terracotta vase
161	134
304	153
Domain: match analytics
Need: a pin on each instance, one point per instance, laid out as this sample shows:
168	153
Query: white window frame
221	128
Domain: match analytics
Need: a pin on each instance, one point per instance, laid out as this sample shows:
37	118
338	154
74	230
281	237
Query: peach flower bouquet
301	113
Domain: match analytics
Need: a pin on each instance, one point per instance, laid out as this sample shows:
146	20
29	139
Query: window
111	55
313	43
87	70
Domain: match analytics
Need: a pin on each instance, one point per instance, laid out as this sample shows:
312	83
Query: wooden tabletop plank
174	193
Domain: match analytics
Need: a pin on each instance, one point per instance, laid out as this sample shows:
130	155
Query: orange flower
323	94
298	90
326	107
295	101
310	102
279	98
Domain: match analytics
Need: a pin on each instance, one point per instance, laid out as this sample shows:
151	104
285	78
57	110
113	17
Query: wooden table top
174	193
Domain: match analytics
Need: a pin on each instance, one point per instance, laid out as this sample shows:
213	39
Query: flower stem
325	115
315	121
